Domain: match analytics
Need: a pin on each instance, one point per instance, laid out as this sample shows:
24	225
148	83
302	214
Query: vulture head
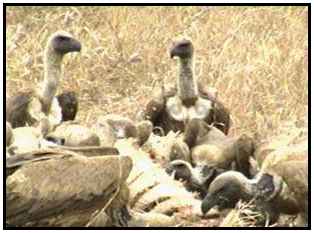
268	186
226	190
62	43
182	49
181	169
197	178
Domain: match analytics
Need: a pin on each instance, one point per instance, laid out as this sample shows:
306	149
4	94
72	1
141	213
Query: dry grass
243	215
257	57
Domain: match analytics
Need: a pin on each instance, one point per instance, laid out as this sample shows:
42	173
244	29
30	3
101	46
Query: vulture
27	138
59	188
112	127
73	134
281	185
206	152
171	109
73	137
30	107
105	132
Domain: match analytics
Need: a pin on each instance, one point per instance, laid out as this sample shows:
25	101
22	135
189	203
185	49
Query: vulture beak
172	54
174	51
76	45
208	203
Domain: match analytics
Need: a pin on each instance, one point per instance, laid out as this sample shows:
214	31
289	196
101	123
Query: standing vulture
172	109
32	106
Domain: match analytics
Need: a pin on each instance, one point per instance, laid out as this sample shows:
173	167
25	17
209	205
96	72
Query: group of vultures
173	166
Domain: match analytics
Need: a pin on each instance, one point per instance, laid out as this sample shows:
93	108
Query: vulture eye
182	45
180	165
63	38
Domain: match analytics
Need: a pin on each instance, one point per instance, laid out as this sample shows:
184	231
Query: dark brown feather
69	104
155	112
17	109
220	117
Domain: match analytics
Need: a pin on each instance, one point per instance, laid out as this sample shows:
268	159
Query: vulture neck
187	86
52	73
247	185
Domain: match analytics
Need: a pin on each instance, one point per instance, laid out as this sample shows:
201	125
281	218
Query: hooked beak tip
207	205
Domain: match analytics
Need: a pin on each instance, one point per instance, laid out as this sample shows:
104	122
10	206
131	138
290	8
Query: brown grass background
256	57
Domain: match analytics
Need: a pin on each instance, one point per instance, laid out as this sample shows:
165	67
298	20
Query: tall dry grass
256	57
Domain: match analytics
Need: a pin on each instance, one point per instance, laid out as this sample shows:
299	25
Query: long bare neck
247	185
52	73
187	86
